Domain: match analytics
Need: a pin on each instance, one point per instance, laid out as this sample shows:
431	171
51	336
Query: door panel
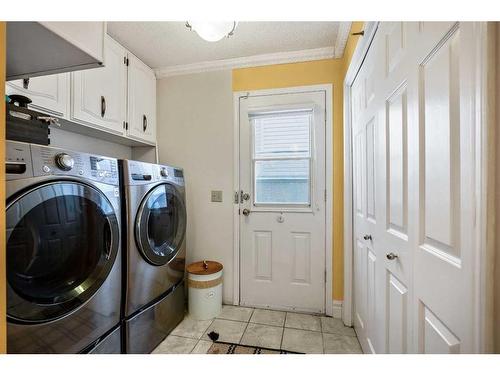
263	255
397	315
282	183
397	171
360	288
301	245
435	336
441	147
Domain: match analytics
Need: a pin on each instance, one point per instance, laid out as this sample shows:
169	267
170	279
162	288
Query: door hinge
325	195
236	197
126	125
125	60
325	276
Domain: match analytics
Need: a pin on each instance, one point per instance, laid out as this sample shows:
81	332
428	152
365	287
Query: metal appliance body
154	252
63	248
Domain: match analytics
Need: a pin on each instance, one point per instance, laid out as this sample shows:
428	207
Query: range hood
43	48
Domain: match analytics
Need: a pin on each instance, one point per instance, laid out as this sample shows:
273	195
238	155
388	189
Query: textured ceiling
164	44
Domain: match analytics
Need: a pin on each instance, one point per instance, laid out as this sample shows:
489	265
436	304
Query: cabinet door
50	94
99	95
141	101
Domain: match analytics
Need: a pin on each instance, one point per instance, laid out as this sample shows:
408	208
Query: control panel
53	161
17	160
138	173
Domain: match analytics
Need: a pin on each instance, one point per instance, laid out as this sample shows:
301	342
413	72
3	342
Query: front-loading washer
154	252
63	249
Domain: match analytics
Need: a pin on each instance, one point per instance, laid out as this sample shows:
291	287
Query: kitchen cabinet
49	94
141	101
99	96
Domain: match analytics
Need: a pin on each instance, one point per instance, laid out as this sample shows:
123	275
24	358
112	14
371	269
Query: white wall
79	142
195	131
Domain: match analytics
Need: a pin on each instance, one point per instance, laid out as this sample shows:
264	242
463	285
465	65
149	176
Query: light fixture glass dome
212	31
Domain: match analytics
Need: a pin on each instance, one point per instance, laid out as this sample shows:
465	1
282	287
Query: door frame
483	108
237	97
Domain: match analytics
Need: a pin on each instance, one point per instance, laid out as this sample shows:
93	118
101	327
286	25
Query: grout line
244	331
282	336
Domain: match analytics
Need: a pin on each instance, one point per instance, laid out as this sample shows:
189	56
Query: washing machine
154	252
63	249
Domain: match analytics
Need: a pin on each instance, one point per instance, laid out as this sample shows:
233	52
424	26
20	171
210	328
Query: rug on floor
227	348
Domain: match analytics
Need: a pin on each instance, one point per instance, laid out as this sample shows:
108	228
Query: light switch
216	196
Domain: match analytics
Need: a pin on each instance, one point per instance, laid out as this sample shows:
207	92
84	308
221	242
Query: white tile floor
302	333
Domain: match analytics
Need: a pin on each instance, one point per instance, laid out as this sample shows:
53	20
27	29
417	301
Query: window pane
282	181
282	134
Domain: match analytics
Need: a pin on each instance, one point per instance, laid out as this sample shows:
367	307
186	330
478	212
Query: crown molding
250	61
341	41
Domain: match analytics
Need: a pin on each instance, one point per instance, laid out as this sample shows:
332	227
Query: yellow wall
331	71
3	334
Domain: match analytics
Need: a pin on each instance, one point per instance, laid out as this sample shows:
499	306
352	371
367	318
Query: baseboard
337	309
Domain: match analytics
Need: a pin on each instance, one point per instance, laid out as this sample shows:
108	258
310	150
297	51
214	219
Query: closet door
367	214
413	190
442	185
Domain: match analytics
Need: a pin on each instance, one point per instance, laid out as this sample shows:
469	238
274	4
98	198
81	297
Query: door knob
246	211
367	237
391	256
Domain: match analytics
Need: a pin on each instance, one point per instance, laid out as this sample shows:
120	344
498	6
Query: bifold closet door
413	179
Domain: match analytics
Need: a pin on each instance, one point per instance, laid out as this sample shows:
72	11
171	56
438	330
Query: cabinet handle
103	106
144	122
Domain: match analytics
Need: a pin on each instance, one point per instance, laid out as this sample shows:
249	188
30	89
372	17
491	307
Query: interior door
413	189
99	96
282	201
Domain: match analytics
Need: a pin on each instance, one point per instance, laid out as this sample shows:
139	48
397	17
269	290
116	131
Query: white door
141	101
49	94
282	201
99	96
413	196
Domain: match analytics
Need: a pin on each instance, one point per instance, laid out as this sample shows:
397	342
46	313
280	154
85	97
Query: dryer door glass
62	241
161	224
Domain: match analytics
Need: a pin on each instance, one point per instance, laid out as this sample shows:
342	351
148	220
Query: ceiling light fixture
212	31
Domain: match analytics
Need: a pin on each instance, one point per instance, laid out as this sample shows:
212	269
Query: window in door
282	157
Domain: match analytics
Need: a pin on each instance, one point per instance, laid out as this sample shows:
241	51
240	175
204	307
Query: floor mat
227	348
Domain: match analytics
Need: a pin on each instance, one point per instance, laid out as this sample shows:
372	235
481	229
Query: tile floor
302	333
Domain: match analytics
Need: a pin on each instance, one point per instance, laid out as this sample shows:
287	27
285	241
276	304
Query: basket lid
205	267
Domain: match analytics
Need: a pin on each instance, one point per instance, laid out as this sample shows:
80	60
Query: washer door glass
62	241
161	224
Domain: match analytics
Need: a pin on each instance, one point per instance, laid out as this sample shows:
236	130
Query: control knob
64	161
164	172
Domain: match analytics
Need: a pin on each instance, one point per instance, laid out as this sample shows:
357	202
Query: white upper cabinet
99	96
118	98
141	101
49	94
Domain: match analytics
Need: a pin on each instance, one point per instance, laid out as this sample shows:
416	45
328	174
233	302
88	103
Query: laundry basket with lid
204	289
